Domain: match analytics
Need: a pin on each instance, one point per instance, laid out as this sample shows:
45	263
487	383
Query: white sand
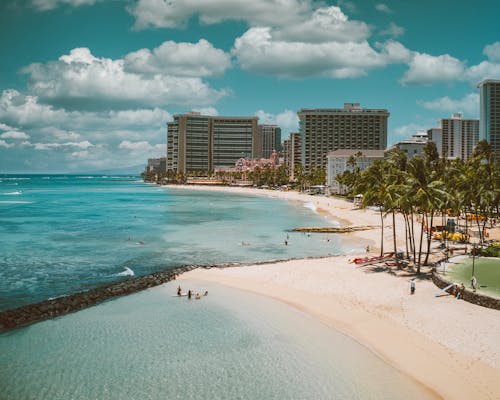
451	346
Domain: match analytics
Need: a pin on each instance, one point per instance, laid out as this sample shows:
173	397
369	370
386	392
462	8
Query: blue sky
88	85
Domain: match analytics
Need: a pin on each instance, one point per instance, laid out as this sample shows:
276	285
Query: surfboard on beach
443	291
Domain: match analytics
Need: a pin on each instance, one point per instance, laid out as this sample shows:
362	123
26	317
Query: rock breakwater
47	309
331	229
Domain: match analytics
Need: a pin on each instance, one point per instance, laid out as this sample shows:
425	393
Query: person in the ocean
206	293
179	291
197	297
189	294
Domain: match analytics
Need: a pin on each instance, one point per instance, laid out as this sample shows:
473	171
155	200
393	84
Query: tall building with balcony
233	138
292	152
200	143
189	143
351	127
268	140
489	114
459	136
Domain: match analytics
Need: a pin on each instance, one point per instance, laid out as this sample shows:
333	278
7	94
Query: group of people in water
190	294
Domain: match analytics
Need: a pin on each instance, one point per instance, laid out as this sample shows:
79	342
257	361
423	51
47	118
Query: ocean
63	234
229	345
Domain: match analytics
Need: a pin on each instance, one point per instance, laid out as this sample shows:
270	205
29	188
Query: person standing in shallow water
412	286
189	294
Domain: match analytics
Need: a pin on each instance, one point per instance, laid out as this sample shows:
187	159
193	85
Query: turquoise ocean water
62	234
229	345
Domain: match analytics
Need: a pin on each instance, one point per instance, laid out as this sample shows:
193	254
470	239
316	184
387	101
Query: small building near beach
340	161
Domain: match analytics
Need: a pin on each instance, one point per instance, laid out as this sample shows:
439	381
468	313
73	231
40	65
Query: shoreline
450	346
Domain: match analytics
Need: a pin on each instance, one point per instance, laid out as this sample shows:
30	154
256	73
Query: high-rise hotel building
268	139
351	127
489	114
458	137
201	143
292	152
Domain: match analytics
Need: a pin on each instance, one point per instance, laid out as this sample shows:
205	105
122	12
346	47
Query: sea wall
31	313
470	296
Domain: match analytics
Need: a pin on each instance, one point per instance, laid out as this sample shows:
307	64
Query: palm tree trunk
476	213
407	228
412	241
429	238
420	244
394	237
382	232
466	225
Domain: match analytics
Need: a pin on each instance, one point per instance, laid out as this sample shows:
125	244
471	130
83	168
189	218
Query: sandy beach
450	346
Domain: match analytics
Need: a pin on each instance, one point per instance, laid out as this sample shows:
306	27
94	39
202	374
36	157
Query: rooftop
486	81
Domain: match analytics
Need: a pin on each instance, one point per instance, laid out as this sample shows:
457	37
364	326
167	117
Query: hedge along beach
450	346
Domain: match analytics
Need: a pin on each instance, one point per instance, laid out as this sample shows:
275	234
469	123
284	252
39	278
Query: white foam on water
311	206
18	192
15	202
126	272
57	297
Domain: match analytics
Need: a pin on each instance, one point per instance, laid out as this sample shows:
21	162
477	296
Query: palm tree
427	194
374	184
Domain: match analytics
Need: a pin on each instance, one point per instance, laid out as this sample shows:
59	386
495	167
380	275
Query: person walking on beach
412	286
367	249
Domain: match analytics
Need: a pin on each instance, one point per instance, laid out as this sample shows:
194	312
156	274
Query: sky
89	85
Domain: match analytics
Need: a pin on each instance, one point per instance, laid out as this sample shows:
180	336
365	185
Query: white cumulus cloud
80	80
287	120
468	104
4	144
173	14
259	51
384	8
46	146
483	70
45	5
326	24
393	30
492	51
14	135
428	69
179	59
80	154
